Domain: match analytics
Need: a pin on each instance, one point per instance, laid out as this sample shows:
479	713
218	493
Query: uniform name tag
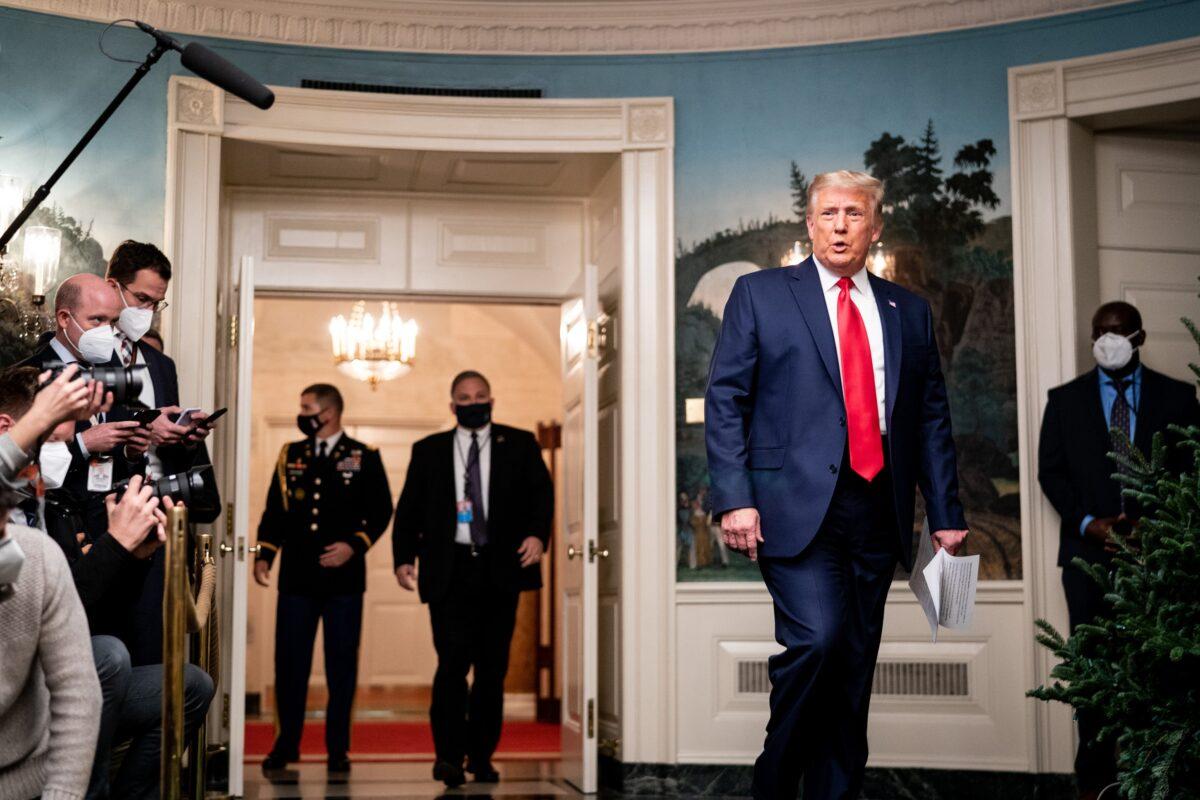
466	513
100	475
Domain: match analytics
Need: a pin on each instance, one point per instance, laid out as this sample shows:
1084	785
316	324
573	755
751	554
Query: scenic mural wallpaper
942	239
928	114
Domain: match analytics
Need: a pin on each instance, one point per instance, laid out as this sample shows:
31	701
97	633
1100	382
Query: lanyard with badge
465	508
100	466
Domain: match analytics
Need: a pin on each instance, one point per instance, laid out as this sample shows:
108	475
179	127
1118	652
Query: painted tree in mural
19	329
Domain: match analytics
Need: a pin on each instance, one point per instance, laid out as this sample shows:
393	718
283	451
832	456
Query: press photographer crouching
49	696
110	572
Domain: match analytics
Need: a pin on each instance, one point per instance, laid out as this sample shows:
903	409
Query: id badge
100	475
465	512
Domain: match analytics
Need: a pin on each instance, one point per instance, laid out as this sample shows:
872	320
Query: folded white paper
944	585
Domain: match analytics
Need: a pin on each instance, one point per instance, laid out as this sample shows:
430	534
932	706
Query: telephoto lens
125	383
194	488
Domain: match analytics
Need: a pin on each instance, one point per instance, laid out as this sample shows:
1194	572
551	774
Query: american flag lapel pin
892	303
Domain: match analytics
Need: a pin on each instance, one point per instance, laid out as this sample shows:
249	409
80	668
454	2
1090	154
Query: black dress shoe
338	764
485	773
274	763
450	774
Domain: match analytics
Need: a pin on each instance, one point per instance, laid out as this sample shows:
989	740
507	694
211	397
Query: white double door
579	523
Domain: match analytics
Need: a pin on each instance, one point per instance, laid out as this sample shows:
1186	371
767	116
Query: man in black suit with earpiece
476	512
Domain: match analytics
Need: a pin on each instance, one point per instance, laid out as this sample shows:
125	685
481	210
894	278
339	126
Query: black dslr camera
195	488
125	383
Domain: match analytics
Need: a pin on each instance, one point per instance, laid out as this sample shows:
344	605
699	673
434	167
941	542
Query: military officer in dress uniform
329	501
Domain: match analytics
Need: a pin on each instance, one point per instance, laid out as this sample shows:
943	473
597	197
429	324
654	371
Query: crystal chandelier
373	349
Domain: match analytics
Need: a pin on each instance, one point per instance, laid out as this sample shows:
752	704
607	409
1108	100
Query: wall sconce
43	248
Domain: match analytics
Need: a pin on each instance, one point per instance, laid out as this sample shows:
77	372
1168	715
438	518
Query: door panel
580	523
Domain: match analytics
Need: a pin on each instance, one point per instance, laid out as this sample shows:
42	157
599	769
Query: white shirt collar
330	441
64	353
485	433
861	279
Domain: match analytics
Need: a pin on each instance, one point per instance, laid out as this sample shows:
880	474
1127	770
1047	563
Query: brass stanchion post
174	630
198	746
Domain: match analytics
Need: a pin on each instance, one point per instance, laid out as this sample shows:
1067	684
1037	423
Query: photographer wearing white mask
1119	404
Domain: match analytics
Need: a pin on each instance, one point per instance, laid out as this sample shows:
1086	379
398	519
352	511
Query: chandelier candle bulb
373	349
43	249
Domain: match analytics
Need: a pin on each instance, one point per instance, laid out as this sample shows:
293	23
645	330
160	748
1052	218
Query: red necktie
858	386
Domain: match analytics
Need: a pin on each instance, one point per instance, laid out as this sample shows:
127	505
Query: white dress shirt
864	298
330	442
462	449
67	357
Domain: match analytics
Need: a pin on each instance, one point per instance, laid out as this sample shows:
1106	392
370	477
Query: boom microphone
215	69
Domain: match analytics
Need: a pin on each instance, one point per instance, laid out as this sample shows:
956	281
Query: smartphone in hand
146	416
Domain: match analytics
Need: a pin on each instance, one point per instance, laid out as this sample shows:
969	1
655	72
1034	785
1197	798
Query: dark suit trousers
829	605
472	627
296	618
1096	760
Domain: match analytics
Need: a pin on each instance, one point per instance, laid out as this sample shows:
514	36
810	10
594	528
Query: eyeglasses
145	301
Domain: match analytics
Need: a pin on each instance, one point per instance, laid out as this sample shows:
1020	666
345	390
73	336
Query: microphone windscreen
215	69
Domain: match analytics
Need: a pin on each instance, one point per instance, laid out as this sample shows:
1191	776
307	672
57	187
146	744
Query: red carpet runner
405	741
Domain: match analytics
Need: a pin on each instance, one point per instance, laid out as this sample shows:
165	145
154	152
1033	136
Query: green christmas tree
1139	664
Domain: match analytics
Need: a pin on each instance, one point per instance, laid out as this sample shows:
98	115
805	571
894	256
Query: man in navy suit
826	406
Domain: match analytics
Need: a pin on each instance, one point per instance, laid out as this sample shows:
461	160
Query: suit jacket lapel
806	289
1094	414
893	351
499	445
1147	412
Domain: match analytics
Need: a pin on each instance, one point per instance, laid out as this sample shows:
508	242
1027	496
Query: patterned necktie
1119	421
126	348
858	387
474	492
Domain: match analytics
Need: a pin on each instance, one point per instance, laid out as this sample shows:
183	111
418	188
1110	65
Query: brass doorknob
595	552
224	548
254	548
572	553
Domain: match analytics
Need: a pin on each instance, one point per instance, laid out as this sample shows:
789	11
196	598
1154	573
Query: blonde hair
849	179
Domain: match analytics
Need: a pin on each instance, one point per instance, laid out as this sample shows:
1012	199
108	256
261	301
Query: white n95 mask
54	461
134	322
96	344
1113	351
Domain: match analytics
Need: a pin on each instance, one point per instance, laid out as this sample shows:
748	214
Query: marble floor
520	780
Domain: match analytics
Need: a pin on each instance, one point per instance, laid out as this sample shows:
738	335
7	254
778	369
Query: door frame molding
642	132
1054	107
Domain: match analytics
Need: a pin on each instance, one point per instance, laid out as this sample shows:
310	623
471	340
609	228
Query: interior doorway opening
517	346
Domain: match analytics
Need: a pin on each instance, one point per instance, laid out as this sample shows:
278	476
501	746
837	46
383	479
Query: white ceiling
290	166
561	26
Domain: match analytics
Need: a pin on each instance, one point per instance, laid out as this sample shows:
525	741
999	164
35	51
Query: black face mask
309	424
474	416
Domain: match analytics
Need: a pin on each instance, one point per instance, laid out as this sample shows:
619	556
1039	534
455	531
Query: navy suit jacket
775	419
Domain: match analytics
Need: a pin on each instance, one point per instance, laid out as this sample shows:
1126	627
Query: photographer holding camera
104	447
110	572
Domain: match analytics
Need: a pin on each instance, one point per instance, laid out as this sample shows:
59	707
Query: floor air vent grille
427	91
896	678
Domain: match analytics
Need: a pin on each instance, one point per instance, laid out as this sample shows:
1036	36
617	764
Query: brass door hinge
233	332
229	522
225	710
599	335
591	719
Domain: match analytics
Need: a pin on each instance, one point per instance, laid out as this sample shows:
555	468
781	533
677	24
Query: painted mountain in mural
937	243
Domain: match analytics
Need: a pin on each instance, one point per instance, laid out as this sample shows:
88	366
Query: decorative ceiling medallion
561	27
